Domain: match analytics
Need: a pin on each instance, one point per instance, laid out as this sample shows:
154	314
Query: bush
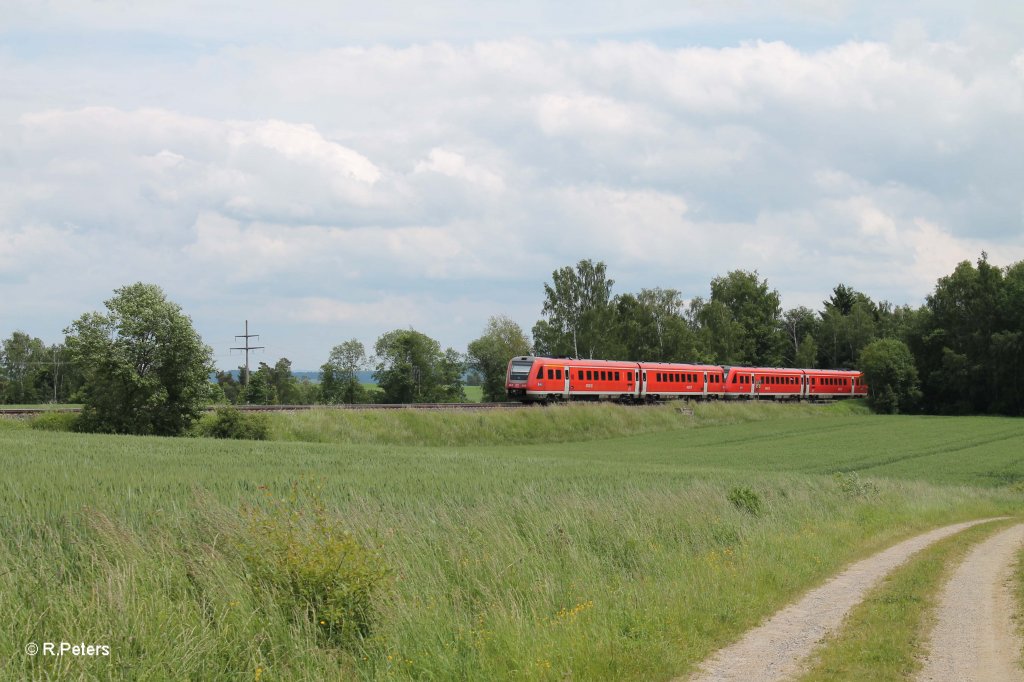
316	568
852	485
56	421
891	376
228	422
745	500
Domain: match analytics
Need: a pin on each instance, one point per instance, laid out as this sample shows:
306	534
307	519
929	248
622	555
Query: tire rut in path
975	637
775	649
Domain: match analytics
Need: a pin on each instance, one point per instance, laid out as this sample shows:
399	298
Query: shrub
745	500
852	485
55	421
228	422
316	568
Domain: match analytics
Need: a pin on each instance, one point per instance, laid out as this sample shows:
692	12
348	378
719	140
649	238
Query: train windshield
520	371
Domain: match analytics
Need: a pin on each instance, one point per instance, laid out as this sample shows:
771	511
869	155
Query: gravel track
775	649
975	637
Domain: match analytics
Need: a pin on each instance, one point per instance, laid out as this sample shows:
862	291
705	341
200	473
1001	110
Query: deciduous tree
411	368
144	367
339	380
501	341
577	311
889	370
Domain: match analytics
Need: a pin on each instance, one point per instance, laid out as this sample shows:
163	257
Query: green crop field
582	542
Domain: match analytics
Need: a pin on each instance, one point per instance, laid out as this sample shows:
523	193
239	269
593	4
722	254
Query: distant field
591	542
474	394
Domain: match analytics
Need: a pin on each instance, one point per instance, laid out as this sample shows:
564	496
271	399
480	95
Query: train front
517	379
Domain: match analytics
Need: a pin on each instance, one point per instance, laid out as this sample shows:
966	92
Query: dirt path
775	649
975	638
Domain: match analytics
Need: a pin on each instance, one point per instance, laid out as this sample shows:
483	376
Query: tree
339	380
231	388
889	371
145	369
742	319
798	323
412	369
261	388
651	326
55	377
955	353
20	358
488	355
577	308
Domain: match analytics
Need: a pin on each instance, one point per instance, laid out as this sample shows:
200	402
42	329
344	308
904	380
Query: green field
582	542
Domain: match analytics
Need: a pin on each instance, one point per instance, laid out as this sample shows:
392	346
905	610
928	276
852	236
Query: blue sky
332	170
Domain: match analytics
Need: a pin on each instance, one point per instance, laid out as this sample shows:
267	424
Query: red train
537	379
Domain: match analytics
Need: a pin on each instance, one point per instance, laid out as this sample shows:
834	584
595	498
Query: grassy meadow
578	542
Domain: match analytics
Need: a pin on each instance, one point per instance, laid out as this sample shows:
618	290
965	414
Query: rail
32	411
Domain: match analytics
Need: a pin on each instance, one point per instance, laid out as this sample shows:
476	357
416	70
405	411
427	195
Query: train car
778	383
830	384
539	379
772	383
671	381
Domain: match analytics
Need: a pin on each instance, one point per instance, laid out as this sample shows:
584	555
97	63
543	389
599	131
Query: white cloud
455	165
434	182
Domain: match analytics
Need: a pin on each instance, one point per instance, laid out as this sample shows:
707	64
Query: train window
579	375
551	374
616	376
604	375
629	376
734	378
540	372
558	373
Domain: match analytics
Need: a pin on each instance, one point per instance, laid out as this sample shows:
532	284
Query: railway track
32	411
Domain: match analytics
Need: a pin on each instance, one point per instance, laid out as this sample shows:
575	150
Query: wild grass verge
503	563
573	422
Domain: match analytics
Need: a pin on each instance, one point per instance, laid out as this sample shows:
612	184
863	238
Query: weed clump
746	500
852	485
228	422
314	566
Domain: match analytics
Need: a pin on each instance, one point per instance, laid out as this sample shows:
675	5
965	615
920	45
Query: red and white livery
540	379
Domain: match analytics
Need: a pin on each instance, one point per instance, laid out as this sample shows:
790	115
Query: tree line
961	352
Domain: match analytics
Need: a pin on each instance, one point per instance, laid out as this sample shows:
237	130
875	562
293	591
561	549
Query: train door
643	383
565	392
704	393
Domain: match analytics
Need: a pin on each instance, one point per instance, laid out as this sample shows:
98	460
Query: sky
331	170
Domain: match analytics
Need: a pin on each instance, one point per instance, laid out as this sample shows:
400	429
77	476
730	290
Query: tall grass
619	558
553	424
